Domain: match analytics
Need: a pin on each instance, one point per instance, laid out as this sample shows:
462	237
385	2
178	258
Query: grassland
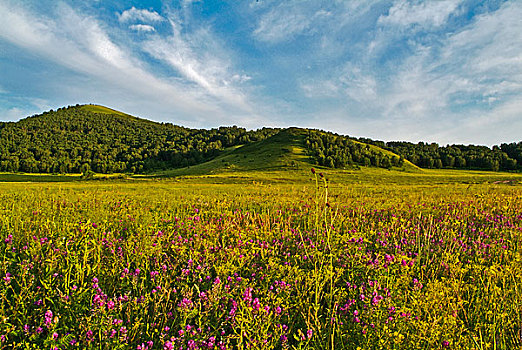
370	259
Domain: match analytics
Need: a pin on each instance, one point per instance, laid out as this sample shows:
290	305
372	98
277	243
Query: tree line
506	157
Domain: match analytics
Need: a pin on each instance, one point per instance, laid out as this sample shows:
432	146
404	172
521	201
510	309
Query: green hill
86	138
284	150
83	138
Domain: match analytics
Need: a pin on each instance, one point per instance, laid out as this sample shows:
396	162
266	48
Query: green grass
280	173
408	166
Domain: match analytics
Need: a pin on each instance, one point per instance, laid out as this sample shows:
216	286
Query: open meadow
370	259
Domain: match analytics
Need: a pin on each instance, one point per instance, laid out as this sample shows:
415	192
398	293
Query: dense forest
78	140
337	151
88	138
506	157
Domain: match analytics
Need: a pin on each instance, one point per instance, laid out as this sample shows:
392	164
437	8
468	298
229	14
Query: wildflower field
405	262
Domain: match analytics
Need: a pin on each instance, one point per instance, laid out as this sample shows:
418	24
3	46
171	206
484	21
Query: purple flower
48	318
309	333
55	335
168	345
445	344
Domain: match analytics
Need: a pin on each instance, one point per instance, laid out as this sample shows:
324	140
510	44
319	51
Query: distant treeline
76	140
506	157
337	151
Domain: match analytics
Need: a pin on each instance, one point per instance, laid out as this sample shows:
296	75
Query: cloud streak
424	14
198	57
473	75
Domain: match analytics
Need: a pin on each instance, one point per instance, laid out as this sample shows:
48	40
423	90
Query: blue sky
446	71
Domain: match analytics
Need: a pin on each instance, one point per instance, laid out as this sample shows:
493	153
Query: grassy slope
102	109
283	151
282	159
408	166
113	112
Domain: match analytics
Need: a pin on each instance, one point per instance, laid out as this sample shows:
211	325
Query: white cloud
350	81
145	28
287	20
482	63
34	106
422	13
199	58
139	15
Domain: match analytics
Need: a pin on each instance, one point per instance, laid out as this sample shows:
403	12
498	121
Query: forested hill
87	138
338	151
504	157
82	138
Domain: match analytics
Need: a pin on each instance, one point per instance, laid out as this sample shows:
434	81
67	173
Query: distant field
373	259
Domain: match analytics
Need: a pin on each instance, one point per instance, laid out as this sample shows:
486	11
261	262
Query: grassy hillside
284	150
102	109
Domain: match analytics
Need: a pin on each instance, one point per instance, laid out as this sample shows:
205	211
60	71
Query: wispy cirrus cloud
470	79
445	71
198	56
287	20
421	13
